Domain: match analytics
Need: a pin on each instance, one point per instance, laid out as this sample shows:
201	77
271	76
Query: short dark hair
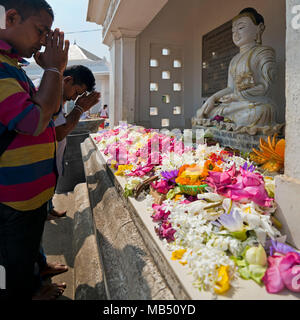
257	17
81	75
27	8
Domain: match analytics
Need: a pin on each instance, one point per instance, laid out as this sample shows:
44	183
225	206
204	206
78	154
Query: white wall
102	85
184	23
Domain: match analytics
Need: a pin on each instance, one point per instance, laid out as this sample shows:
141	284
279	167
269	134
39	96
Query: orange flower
270	155
212	166
191	175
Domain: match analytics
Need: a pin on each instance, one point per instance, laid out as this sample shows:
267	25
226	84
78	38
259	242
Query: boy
27	164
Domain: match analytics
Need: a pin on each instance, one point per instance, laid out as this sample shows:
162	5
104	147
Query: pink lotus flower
272	278
186	201
161	186
165	231
141	171
290	271
283	271
118	152
242	185
160	214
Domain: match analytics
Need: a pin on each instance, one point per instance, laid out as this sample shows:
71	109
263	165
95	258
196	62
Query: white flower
232	221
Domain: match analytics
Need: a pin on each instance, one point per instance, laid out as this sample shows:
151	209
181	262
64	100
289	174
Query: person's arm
85	103
71	121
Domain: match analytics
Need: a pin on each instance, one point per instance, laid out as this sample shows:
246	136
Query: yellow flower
247	210
113	164
178	254
122	169
222	284
178	197
183	262
139	145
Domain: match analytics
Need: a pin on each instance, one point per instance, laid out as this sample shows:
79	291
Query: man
103	115
27	166
77	81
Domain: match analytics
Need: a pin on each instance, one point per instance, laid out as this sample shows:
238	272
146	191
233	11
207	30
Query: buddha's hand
206	108
229	98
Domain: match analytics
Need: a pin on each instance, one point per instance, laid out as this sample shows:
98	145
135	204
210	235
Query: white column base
287	196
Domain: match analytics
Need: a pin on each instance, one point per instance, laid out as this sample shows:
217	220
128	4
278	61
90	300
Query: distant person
85	115
104	115
28	172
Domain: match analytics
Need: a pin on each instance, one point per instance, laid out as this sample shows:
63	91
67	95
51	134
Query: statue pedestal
242	141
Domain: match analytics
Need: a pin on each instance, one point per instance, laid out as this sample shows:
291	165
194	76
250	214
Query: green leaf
245	273
239	262
257	272
173	192
240	235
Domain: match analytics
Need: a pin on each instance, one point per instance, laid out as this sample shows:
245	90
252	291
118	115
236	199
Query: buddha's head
247	28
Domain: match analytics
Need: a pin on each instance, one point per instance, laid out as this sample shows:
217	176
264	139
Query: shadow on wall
124	271
123	267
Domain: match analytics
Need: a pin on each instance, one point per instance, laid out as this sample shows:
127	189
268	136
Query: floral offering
217	213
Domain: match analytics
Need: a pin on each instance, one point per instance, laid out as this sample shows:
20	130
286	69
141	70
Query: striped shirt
27	168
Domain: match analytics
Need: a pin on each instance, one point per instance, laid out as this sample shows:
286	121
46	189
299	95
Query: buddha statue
246	105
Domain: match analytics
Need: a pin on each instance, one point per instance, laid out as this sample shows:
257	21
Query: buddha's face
244	31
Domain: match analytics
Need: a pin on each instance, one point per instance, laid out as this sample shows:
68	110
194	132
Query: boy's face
72	91
27	36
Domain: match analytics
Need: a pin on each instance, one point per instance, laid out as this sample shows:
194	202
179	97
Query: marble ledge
246	290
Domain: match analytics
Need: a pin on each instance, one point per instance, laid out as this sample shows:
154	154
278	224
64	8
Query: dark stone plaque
217	51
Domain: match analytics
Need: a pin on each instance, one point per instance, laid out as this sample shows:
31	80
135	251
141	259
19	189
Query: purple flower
250	169
279	247
170	175
232	221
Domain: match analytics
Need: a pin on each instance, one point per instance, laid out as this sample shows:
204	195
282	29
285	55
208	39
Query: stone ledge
88	277
178	277
241	141
91	125
287	193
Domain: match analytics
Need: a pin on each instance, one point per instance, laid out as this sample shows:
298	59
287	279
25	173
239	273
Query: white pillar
122	80
128	79
288	185
114	82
